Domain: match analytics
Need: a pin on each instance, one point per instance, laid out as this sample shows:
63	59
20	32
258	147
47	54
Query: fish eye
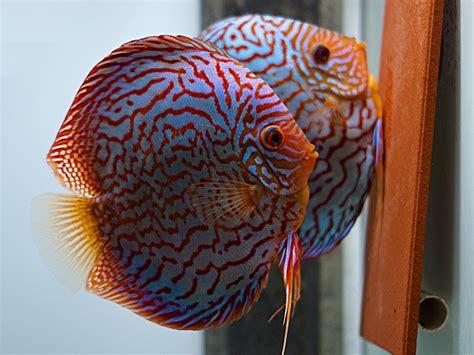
272	137
321	54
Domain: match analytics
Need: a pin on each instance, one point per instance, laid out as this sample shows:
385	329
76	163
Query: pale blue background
47	50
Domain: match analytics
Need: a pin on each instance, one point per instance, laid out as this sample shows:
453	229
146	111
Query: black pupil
275	137
322	53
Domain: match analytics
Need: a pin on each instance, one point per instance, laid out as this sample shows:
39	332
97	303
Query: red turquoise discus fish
187	173
323	79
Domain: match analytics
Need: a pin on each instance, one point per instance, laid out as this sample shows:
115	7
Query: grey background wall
449	248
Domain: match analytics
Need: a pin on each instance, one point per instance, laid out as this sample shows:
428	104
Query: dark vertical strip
329	291
316	327
439	265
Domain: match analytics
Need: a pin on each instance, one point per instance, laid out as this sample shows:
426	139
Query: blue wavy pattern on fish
323	79
190	173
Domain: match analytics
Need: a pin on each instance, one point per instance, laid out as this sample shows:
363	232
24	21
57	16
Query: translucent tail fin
67	235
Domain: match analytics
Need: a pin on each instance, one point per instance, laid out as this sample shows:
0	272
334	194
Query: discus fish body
323	79
188	173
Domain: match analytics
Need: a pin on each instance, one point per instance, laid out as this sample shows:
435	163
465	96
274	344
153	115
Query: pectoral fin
227	202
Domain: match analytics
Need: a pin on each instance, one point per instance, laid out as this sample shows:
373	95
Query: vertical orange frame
394	250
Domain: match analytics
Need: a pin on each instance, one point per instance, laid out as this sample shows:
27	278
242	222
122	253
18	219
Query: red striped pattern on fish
191	172
323	79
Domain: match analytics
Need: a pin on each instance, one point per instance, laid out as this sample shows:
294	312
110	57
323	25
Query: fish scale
160	130
280	51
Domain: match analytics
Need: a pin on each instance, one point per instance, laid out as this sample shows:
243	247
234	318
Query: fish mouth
312	154
361	46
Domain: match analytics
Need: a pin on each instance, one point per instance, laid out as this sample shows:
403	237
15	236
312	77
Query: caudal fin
67	235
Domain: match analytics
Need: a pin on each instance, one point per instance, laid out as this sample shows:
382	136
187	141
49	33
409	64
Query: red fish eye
272	137
321	54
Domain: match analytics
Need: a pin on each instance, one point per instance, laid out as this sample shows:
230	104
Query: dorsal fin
71	156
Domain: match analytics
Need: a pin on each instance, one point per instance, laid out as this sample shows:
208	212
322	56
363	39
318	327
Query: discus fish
323	79
187	174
